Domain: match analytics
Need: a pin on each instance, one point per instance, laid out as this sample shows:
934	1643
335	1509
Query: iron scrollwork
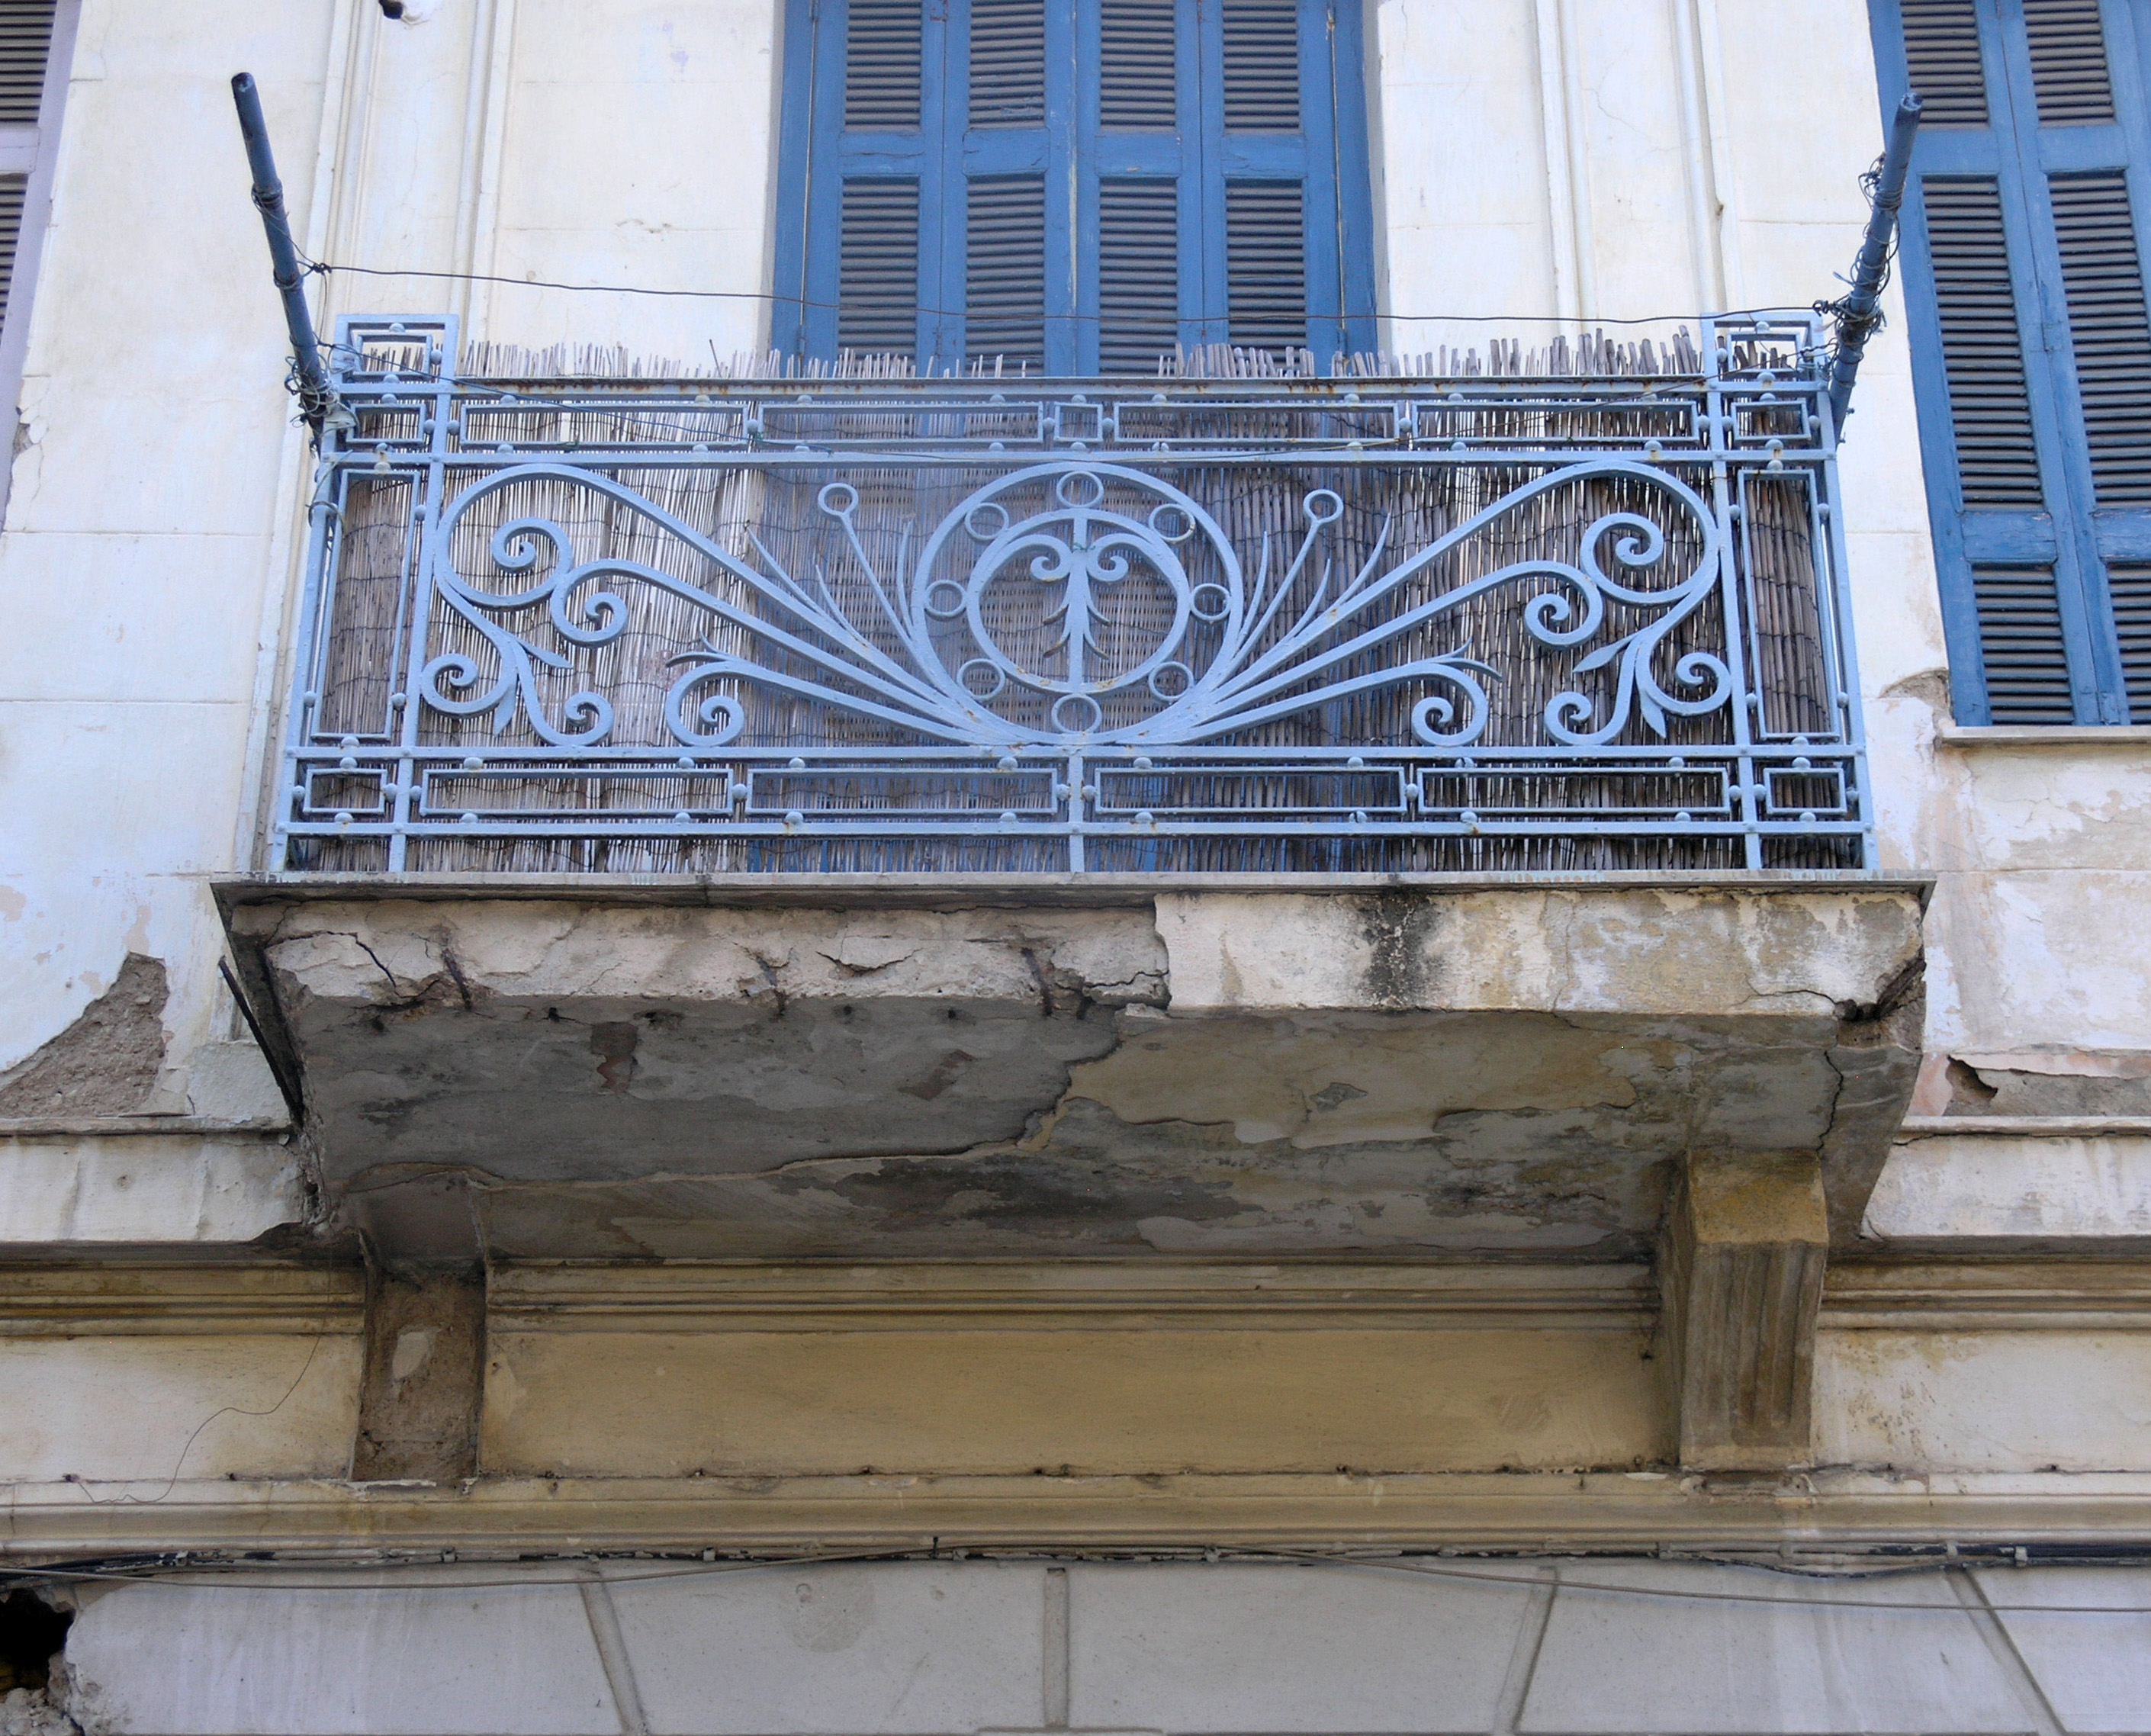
1219	649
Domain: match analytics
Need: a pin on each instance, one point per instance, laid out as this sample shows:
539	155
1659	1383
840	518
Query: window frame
815	156
2073	535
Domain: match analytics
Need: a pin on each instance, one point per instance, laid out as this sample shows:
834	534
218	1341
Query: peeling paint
107	1061
800	1082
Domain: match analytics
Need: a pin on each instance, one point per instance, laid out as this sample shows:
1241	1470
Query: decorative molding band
2023	1126
1527	1512
955	890
142	1126
2041	1295
126	1300
1097	1295
106	1297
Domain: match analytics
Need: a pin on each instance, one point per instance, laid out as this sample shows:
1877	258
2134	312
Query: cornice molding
1534	1512
1097	1295
123	1296
142	1126
129	1299
2023	1126
1009	891
1987	1295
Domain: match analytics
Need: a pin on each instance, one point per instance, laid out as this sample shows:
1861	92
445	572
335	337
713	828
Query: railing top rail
1788	346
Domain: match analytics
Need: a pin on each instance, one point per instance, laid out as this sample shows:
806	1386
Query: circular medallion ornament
1072	582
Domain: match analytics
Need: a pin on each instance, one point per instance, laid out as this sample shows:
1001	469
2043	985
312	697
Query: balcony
1144	825
1479	624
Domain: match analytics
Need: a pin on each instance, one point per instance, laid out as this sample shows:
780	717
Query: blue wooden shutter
1138	288
13	188
860	207
26	42
1080	185
2031	347
1015	214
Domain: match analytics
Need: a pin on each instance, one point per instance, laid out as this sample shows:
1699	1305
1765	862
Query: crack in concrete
851	969
1045	987
455	971
1836	1097
1910	977
1564	937
773	984
281	938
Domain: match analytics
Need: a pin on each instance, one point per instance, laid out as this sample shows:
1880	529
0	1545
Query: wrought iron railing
1475	623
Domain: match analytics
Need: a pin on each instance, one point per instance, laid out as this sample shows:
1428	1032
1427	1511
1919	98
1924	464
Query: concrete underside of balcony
902	1068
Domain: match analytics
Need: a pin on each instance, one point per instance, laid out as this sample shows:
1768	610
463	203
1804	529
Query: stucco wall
1539	158
1580	158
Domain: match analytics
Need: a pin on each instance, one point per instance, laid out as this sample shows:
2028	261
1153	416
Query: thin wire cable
1685	1594
242	1575
636	289
173	1480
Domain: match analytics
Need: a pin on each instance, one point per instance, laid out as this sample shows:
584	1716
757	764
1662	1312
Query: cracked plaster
1406	1071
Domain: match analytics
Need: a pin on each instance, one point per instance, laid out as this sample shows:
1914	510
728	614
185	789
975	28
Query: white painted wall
1573	1645
1594	159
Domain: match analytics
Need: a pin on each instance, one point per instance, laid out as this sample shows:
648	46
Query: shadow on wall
32	1633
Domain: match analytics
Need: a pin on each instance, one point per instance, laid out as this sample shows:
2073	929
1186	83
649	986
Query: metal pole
1858	315
317	397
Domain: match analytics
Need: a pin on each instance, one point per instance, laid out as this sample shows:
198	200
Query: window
34	38
2024	276
1073	186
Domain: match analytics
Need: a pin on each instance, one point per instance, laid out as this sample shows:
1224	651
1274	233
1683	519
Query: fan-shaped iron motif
1076	604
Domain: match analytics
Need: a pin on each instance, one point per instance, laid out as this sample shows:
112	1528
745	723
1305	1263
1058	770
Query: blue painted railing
1475	623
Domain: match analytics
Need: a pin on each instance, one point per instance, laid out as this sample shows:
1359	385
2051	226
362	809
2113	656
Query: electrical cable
632	289
240	1576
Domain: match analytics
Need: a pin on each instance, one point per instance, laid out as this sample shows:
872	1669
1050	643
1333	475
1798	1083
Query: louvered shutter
1138	65
1266	265
2103	283
1005	225
1076	185
2130	589
883	48
1265	220
1005	273
1261	65
2066	42
1008	63
1943	61
1140	266
2031	344
12	189
877	272
1138	275
1982	346
26	43
877	256
2025	659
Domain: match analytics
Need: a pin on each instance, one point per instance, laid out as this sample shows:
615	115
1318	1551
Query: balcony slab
945	1068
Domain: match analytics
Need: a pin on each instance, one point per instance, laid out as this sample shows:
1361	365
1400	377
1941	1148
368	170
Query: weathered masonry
1094	867
976	709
